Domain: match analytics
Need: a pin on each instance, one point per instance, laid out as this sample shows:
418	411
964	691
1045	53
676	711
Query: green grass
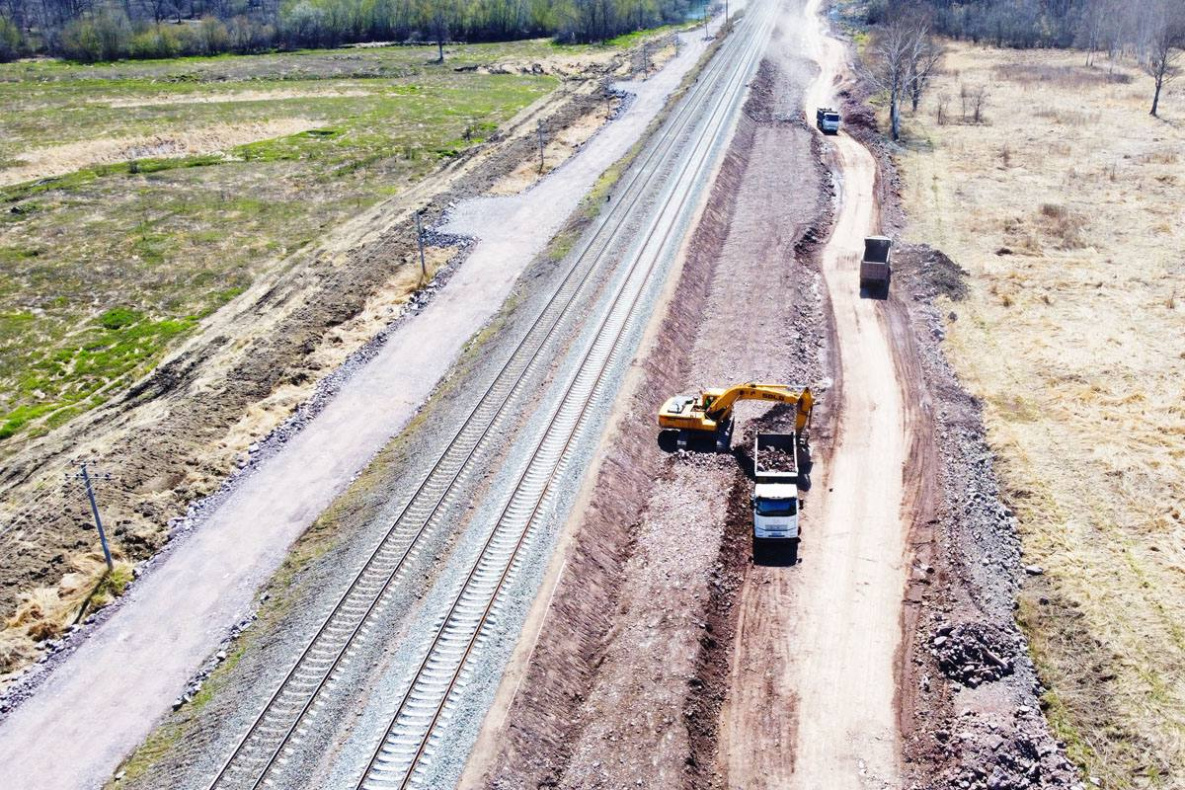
165	241
626	40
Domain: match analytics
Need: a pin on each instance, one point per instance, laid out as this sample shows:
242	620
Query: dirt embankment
968	693
626	680
180	433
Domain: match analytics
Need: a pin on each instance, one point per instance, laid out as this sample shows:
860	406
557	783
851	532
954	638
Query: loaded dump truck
875	268
827	120
775	498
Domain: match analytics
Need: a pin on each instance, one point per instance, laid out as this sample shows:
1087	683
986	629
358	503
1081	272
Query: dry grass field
1067	207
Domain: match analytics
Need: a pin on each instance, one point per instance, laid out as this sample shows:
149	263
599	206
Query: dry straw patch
59	160
233	97
1066	207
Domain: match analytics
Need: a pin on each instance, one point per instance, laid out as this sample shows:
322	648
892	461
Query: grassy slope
165	241
1075	343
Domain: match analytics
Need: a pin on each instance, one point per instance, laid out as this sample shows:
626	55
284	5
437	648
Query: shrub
105	36
160	41
212	36
11	44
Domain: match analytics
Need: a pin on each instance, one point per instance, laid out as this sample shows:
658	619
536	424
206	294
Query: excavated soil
626	682
627	677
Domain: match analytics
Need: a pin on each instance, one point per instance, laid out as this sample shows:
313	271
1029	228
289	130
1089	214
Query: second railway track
404	752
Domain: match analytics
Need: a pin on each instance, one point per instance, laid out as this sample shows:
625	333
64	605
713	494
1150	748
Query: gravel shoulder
128	671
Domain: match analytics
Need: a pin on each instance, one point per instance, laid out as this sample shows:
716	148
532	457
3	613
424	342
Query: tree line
98	30
904	48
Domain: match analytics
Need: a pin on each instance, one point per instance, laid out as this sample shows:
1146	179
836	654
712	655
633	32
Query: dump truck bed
775	458
875	266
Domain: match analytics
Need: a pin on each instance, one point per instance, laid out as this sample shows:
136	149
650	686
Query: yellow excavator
710	412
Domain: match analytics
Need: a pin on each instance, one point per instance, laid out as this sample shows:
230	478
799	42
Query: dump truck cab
827	120
775	511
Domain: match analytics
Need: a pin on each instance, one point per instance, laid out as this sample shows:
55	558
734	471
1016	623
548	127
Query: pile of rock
973	653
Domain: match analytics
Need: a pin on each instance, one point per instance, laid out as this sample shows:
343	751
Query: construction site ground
656	653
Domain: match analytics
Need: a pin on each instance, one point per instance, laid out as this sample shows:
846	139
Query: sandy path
812	697
104	699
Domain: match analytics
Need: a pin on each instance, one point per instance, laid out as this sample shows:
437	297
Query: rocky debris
197	681
775	460
973	653
999	751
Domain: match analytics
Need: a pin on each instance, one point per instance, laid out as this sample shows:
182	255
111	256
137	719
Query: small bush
11	43
1064	225
160	41
118	318
105	36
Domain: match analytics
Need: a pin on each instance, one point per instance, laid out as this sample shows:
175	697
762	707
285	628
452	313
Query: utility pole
539	131
85	476
420	239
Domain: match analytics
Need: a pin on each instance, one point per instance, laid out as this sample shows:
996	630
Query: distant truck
876	268
775	498
827	120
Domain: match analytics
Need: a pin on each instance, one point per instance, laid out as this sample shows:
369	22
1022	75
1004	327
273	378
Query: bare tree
978	95
924	55
1165	38
942	108
159	10
888	67
901	60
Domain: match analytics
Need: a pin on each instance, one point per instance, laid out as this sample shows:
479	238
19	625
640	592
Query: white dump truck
775	498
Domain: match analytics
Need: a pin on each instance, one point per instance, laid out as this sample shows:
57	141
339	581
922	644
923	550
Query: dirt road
815	649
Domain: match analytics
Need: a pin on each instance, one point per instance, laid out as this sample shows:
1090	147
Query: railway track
263	753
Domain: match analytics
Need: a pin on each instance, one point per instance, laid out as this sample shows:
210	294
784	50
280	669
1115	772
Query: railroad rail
260	756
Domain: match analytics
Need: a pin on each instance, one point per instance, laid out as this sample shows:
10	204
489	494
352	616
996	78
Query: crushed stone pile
1012	755
973	653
